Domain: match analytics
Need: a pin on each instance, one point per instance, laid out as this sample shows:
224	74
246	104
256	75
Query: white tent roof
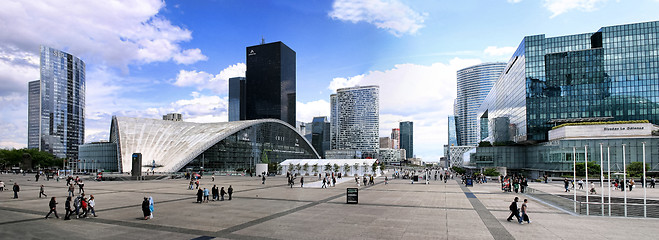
323	162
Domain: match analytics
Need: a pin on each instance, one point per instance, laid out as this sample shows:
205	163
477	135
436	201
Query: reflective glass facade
261	143
270	83
608	75
452	138
473	84
320	135
237	99
62	104
407	138
33	114
99	156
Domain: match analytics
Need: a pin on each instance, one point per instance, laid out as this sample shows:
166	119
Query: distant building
334	121
342	154
59	126
101	156
176	117
358	119
452	137
391	156
473	85
270	82
385	142
237	99
395	138
320	135
407	138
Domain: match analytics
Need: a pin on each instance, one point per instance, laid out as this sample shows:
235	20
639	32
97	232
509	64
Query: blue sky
148	58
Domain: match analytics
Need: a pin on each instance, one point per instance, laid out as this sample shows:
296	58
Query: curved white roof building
225	146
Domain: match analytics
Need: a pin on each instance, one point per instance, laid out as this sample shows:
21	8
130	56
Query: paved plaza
398	210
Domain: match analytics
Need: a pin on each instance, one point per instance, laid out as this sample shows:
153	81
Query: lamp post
602	177
624	177
574	176
587	190
645	192
608	162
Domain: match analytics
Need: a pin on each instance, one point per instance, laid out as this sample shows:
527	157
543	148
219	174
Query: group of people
514	183
147	208
81	206
519	213
218	194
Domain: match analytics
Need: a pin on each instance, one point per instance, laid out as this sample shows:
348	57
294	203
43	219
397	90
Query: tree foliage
13	157
491	172
593	169
635	169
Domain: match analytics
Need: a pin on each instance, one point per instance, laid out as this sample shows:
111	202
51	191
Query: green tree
491	172
484	144
328	167
336	167
298	167
635	169
305	167
346	168
374	167
291	167
315	168
459	170
593	169
356	166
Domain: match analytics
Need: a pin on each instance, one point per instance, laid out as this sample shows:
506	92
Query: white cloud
514	1
305	112
113	32
558	7
218	83
419	93
499	51
391	15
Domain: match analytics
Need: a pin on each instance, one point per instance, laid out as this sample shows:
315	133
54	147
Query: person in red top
84	207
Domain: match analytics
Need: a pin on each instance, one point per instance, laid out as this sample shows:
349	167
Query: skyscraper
357	111
608	75
236	99
395	138
61	119
407	138
474	83
334	122
320	135
270	83
452	138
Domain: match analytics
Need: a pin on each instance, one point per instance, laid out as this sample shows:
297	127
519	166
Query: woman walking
91	204
222	192
525	217
53	207
151	207
145	208
67	206
200	194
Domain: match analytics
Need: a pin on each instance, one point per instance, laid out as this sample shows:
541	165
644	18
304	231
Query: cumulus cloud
514	1
114	32
558	7
423	94
390	15
305	112
218	83
499	51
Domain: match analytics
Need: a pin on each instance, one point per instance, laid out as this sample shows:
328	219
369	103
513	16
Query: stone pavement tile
212	216
11	217
295	193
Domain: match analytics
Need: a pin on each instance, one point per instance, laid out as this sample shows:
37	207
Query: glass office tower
33	114
452	138
236	99
407	138
608	75
270	83
473	85
61	118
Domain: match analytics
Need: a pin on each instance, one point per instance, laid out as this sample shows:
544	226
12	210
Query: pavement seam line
497	230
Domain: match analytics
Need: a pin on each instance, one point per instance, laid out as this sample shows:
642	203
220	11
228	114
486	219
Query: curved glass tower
474	83
57	120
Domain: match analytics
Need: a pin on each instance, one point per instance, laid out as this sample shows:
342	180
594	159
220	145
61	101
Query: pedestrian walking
16	190
652	182
387	179
200	195
206	194
230	191
53	207
580	182
67	207
514	211
262	179
81	186
151	207
213	178
302	181
333	181
2	186
41	192
567	185
145	208
37	177
71	190
91	204
222	192
215	192
525	216
323	186
84	206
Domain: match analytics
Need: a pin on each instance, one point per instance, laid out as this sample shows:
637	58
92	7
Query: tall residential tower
356	111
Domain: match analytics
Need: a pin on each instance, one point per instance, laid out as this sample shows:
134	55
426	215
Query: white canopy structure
347	167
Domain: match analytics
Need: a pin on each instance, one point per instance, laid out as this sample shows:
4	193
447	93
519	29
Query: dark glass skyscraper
320	135
60	122
236	99
608	75
407	138
270	84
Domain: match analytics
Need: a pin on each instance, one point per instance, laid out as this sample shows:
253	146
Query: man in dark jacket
514	211
16	190
230	191
67	206
145	208
53	207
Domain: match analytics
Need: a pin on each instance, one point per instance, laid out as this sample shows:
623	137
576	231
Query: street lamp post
574	176
587	186
645	193
602	177
624	177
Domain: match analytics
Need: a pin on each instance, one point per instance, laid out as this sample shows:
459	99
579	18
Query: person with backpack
67	206
514	211
53	207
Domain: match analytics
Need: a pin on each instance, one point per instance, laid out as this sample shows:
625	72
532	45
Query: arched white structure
172	144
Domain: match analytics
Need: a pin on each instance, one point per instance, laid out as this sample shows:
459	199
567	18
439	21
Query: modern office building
98	156
452	135
320	135
33	114
59	126
173	117
395	138
407	138
385	142
608	75
237	99
226	146
391	156
334	121
270	82
473	84
357	111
